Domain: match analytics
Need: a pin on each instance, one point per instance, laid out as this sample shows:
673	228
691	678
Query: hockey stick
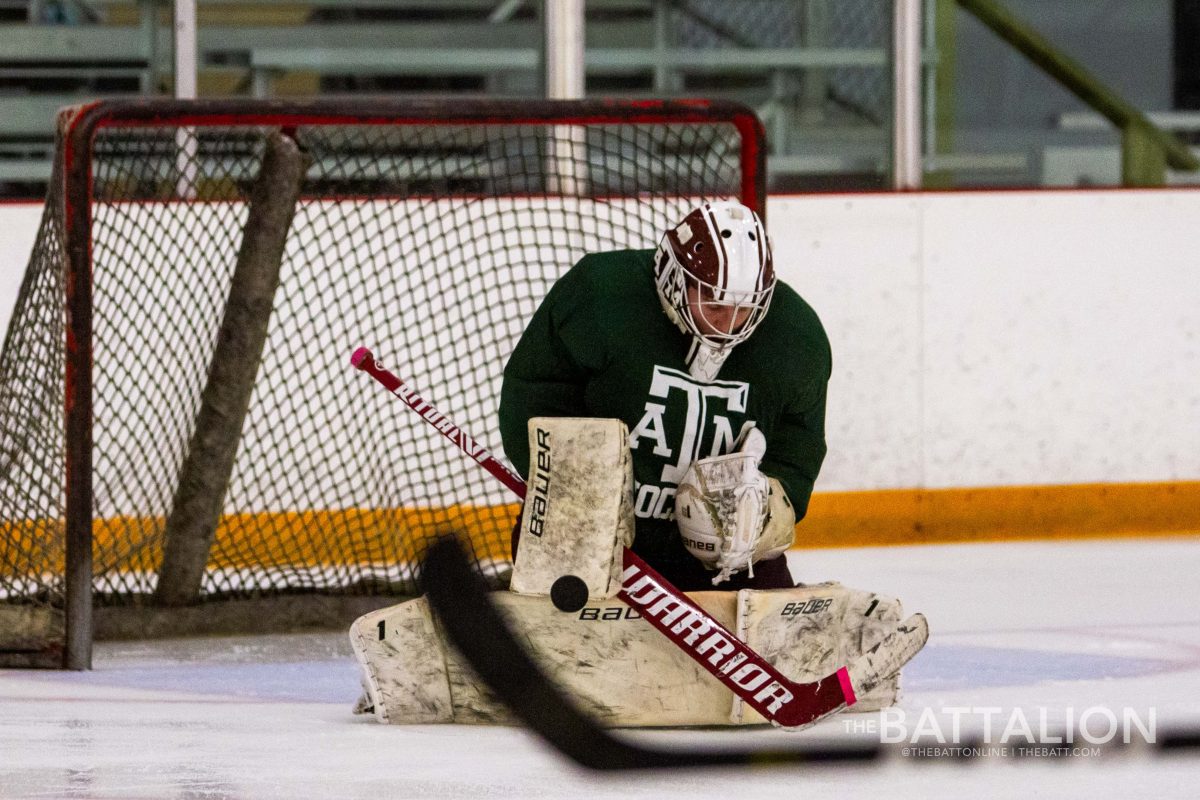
710	644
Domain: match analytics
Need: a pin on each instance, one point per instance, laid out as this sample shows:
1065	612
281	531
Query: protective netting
430	243
864	91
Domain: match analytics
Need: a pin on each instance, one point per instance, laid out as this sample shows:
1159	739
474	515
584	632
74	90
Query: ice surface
1043	627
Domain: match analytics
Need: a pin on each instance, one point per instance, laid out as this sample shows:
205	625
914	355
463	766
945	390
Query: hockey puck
569	593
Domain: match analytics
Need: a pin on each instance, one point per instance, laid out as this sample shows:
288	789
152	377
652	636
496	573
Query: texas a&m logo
685	420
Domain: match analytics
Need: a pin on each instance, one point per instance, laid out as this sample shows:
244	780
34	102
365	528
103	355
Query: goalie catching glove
730	515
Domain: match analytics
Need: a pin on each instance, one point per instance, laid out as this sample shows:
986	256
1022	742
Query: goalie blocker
578	518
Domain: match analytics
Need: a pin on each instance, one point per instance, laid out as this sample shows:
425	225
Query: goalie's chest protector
638	374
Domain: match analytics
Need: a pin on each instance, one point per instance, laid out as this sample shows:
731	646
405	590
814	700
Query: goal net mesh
430	243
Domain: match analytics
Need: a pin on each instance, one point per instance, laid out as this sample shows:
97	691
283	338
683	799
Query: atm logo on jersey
685	420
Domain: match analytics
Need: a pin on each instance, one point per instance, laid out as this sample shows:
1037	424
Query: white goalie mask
715	274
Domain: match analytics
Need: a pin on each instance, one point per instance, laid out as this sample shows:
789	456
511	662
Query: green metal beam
1146	149
946	45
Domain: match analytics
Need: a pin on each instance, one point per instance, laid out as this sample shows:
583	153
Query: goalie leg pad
578	507
402	662
615	664
810	631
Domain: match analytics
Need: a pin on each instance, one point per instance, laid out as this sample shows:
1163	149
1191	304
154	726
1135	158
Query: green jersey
600	345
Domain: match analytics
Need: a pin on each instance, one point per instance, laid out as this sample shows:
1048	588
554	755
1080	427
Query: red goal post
456	214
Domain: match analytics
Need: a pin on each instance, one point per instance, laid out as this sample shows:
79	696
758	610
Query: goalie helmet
715	274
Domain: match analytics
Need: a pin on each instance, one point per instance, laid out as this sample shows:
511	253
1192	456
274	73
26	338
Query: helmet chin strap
704	361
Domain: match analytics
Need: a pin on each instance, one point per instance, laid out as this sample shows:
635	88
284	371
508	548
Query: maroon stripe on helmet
762	260
723	264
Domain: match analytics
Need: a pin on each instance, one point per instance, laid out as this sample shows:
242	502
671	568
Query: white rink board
18	229
855	259
979	339
1007	338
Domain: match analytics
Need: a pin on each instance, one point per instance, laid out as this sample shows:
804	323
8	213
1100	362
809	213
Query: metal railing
1146	149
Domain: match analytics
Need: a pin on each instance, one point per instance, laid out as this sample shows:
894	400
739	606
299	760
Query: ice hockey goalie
577	520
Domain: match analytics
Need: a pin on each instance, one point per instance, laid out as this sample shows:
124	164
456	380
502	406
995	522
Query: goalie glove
730	515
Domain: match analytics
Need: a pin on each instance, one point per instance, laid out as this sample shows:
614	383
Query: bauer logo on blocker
541	485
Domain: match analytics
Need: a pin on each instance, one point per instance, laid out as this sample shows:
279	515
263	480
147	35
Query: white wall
18	228
986	339
979	339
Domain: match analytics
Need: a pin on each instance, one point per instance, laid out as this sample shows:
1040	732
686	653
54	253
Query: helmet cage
687	253
734	303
